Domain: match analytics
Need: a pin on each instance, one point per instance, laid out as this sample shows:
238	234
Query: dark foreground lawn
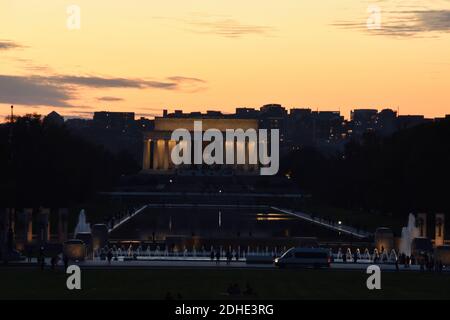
212	284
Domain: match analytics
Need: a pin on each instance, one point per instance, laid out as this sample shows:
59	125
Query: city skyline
204	112
149	57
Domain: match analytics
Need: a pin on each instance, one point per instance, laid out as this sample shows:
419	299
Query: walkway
339	228
124	220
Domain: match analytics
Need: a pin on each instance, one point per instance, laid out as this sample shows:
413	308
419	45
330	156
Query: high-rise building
386	122
247	113
114	120
274	116
363	120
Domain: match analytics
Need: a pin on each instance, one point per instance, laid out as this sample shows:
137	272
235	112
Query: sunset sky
195	55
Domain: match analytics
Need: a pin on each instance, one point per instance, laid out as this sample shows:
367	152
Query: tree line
43	164
406	172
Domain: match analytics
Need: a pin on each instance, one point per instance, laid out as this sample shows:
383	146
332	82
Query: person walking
54	262
41	258
109	256
217	257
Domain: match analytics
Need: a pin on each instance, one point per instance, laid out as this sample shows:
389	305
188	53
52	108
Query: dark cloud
103	82
109	99
434	20
406	23
27	91
8	45
57	90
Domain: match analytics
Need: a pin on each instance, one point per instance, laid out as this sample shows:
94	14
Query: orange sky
149	55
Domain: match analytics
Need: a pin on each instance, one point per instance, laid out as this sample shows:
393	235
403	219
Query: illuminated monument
158	146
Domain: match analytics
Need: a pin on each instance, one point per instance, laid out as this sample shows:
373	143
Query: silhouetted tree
44	164
408	171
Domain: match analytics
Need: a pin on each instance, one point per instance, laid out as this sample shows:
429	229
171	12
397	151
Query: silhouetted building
114	120
386	122
328	131
54	118
247	113
328	125
300	128
274	116
408	121
145	124
363	120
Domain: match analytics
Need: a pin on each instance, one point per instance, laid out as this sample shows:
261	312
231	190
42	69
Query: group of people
54	260
425	261
228	255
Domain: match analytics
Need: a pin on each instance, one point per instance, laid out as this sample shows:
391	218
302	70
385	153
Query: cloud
104	82
8	45
406	23
30	65
109	99
185	79
220	25
434	20
187	84
58	90
27	91
229	28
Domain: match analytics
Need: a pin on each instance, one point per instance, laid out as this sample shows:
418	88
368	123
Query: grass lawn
212	284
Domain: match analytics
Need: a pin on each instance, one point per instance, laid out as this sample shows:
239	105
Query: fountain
376	255
339	254
349	254
367	254
409	233
138	250
384	256
393	257
82	225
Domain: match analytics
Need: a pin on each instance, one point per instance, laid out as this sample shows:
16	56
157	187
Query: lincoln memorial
158	146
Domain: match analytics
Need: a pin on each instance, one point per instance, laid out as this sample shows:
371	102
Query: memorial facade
158	146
